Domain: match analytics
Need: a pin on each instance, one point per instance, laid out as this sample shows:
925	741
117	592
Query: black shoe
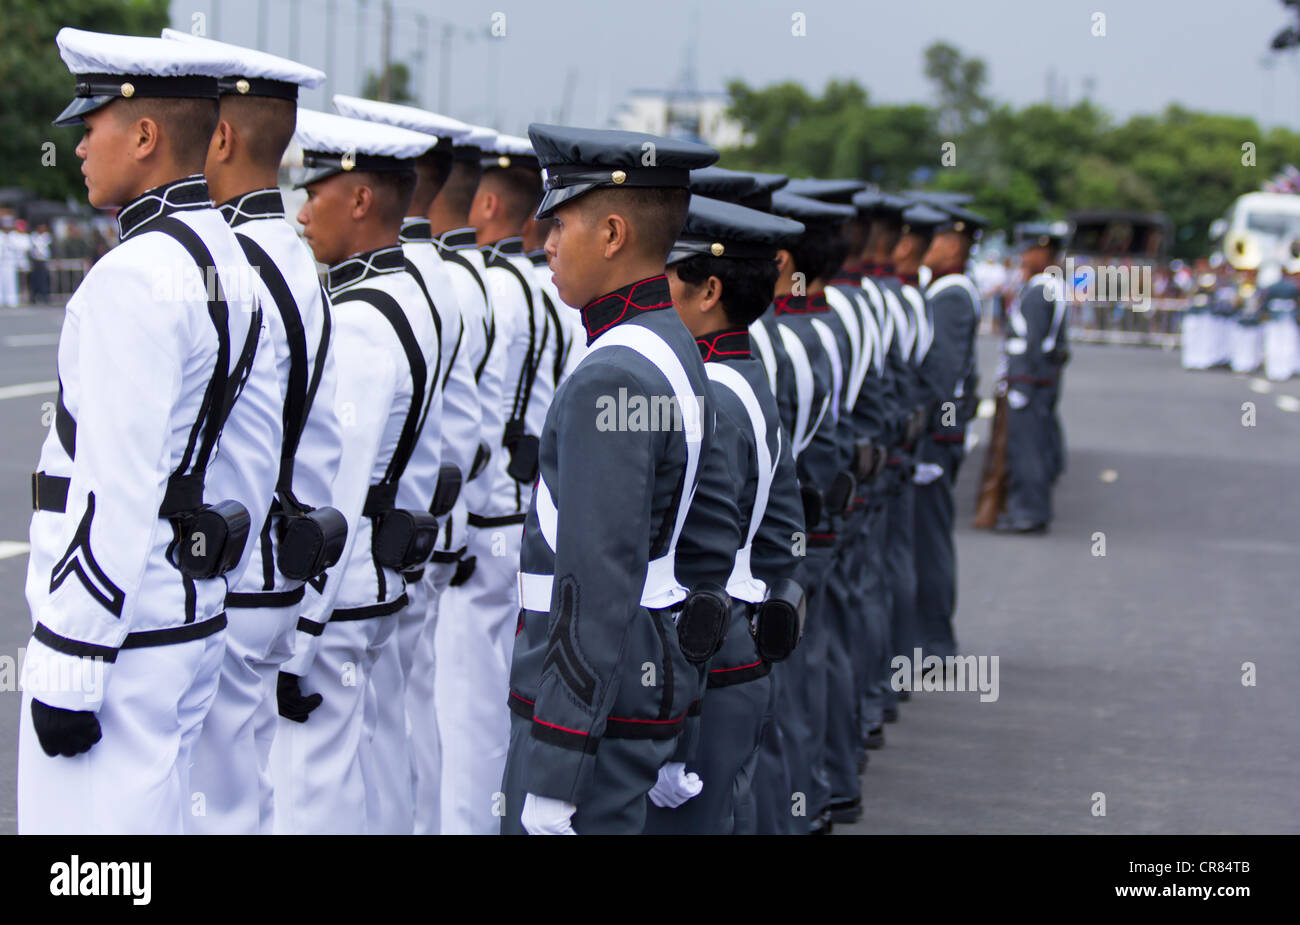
876	738
846	812
890	714
822	824
904	696
1019	526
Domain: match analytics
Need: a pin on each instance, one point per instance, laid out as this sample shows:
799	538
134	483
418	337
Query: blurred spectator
38	281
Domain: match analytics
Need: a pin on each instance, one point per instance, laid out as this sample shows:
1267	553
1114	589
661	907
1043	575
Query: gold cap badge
348	161
618	176
128	90
241	85
716	249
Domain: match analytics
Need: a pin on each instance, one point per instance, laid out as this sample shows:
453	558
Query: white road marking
9	549
32	340
28	388
1288	402
986	408
972	440
1109	475
1262	386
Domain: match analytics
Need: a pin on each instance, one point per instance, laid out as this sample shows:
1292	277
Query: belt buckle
36	491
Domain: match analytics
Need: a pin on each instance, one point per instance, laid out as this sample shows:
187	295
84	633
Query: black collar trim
262	203
727	344
415	229
644	295
456	239
538	257
363	266
187	193
506	247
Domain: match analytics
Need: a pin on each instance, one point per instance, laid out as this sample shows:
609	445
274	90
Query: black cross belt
50	492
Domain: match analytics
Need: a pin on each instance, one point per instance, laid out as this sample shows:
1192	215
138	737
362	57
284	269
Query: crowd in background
43	262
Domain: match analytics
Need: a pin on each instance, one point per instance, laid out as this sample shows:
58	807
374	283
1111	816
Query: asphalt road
1118	675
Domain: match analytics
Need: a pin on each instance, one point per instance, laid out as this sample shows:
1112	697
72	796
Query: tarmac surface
1118	675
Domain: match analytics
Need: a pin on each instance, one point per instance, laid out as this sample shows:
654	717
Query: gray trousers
726	756
801	708
936	555
1032	459
625	771
846	631
901	570
878	602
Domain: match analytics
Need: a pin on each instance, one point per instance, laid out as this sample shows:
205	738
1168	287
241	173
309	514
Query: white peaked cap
407	117
249	62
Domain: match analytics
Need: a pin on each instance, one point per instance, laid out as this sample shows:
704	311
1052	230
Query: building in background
690	114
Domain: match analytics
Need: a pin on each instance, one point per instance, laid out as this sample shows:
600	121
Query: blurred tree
399	85
35	85
959	84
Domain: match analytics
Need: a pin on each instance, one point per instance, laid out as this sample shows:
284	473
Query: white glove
927	473
545	816
675	786
1017	400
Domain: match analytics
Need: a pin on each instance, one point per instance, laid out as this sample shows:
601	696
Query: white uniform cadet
119	629
386	348
476	629
401	705
233	753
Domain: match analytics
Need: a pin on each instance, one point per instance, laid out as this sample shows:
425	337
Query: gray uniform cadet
805	326
780	747
759	479
233	752
598	583
155	455
387	353
950	368
1034	352
449	441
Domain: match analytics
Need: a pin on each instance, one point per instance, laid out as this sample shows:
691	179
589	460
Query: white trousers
475	641
385	743
421	708
316	765
136	779
9	295
1281	343
1247	348
1197	350
232	759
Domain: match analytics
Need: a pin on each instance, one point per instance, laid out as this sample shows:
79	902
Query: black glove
293	705
464	568
65	732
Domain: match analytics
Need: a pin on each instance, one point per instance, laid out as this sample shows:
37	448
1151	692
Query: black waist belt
369	610
948	438
448	555
50	492
506	520
285	598
143	639
821	540
1033	380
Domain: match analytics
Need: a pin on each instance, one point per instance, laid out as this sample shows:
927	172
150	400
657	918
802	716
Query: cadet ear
222	146
711	297
363	201
146	138
615	230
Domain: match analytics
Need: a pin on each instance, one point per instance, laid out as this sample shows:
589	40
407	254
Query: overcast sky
1205	54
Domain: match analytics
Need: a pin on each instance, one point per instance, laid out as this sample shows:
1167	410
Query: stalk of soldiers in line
430	558
1244	320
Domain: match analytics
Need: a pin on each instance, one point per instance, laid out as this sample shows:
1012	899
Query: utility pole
444	82
386	54
361	48
329	51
